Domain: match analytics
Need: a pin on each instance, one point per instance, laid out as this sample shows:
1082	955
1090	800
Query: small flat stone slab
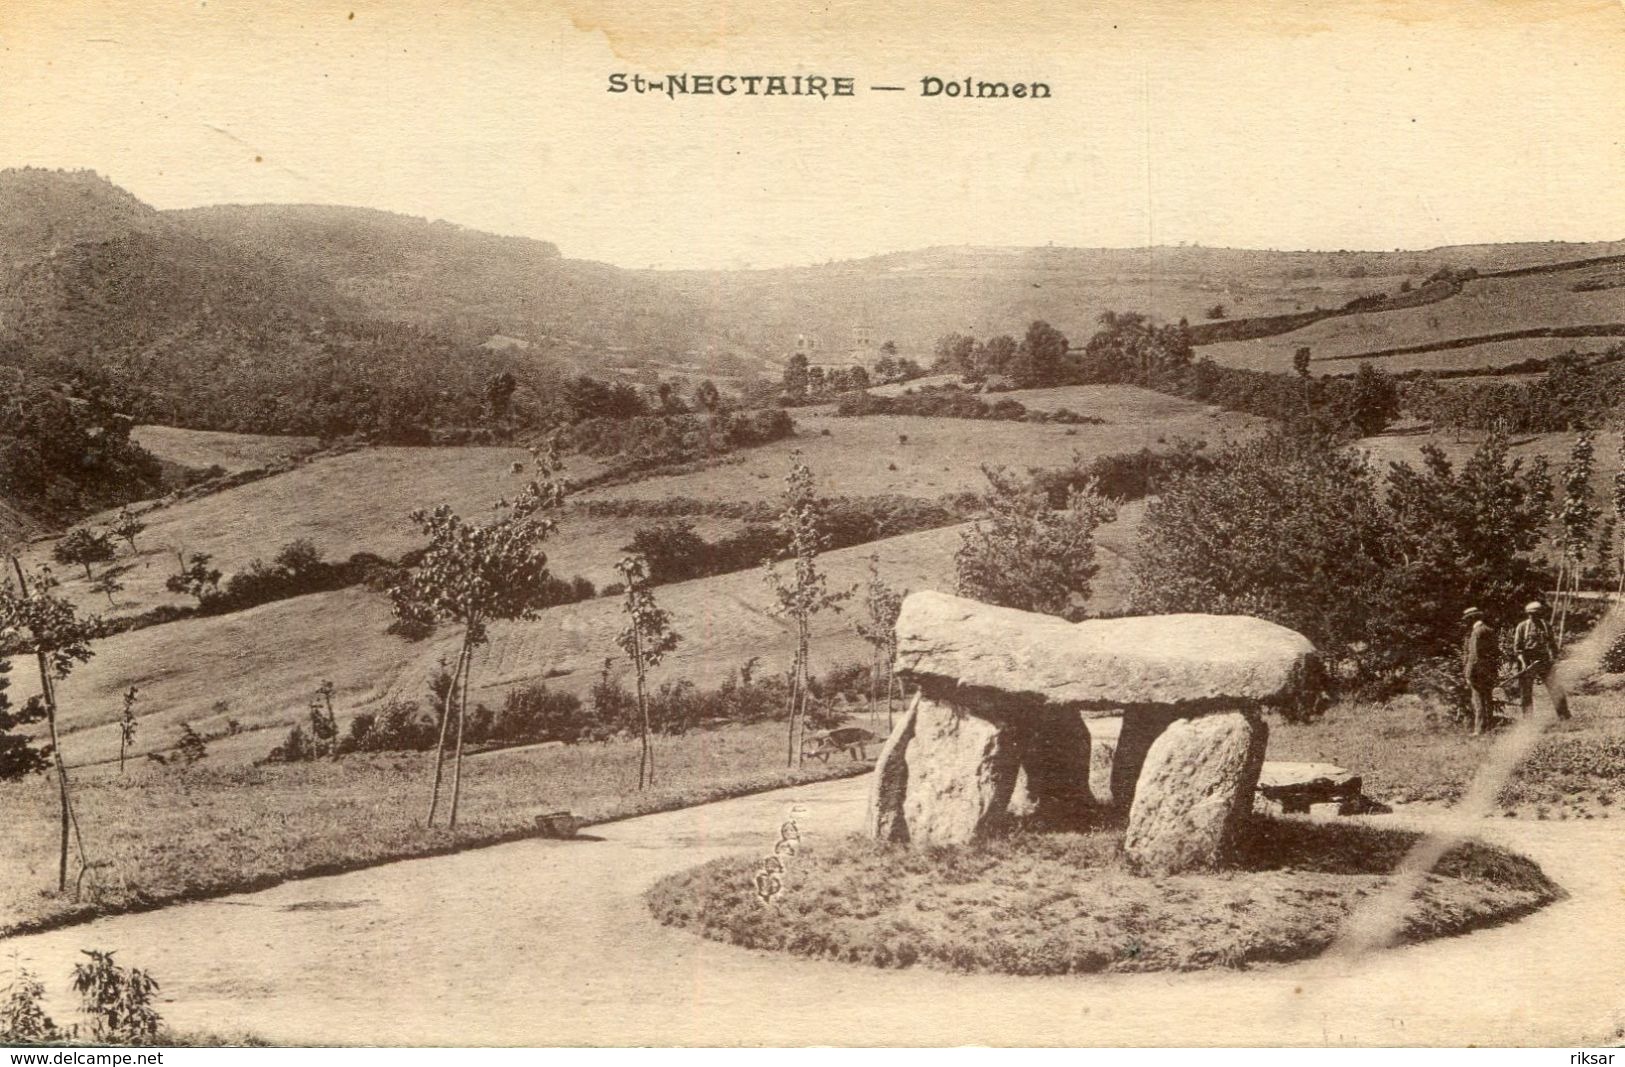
1004	661
1296	787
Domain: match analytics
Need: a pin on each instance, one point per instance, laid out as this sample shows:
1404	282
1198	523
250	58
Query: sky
1370	124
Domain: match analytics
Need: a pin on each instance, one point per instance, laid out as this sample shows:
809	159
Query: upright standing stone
1052	750
1141	728
884	820
1195	793
961	771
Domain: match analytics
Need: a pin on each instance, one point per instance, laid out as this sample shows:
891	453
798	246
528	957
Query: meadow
231	452
931	457
1484	306
169	835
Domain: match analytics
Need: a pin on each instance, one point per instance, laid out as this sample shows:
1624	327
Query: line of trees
1374	568
1574	393
1130	349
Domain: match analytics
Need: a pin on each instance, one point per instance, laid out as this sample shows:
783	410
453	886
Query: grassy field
260	666
234	452
360	501
172	835
930	457
1408	751
1481	356
353	502
1485	306
1068	904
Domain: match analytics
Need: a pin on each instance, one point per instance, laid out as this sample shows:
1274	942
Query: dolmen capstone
997	730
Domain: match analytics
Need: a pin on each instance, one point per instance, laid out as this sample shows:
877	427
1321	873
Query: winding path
549	943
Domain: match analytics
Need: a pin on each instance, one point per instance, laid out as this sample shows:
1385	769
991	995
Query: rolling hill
311	319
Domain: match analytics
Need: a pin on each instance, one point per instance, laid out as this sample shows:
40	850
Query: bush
676	553
1025	554
660	440
951	402
535	713
118	1000
1298	533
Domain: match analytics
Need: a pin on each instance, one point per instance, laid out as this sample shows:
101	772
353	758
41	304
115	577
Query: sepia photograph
596	524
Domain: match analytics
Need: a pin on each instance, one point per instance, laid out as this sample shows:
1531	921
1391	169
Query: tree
19	755
883	604
1575	522
645	639
671	551
299	556
1217	311
796	382
1025	555
46	625
955	354
83	547
886	369
1041	358
1300	360
499	397
1459	537
191	746
805	592
997	356
196	577
324	723
472	575
127	725
706	396
127	527
1374	402
1127	348
107	584
1280	528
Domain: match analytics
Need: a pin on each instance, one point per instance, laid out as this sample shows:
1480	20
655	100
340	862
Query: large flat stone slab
1005	661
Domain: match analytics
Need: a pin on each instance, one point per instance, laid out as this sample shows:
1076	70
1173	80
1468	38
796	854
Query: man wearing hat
1481	657
1536	649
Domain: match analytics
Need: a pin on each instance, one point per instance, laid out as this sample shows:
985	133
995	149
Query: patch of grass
1407	750
1066	903
202	832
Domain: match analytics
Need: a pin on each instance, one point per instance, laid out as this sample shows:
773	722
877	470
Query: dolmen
997	729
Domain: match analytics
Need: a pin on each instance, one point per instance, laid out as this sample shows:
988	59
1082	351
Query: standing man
1480	666
1536	649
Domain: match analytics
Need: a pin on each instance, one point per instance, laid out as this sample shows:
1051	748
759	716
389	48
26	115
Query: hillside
330	320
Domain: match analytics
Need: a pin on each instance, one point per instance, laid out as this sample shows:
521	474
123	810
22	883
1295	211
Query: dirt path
543	943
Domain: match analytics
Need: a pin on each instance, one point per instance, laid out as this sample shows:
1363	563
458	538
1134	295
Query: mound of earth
1067	904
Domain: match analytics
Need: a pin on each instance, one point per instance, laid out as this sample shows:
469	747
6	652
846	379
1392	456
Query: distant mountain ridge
263	316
